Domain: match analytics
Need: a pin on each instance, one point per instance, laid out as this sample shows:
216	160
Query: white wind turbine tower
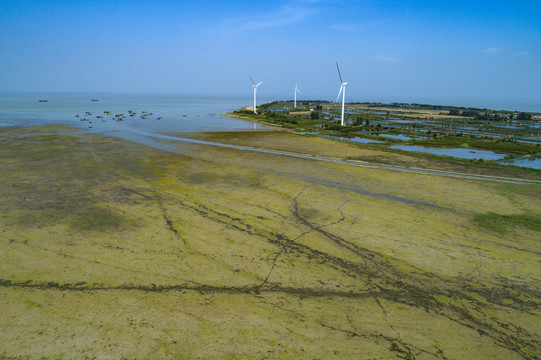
343	92
255	91
295	91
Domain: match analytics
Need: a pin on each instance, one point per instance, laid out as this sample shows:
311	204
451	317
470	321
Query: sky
387	50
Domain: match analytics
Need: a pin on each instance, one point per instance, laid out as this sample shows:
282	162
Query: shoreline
231	114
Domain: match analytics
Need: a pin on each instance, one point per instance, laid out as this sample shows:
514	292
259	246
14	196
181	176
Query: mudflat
112	249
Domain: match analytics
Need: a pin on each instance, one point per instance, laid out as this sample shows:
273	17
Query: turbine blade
299	91
340	75
259	84
340	92
252	80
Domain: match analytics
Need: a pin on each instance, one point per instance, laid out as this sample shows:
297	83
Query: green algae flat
500	223
112	249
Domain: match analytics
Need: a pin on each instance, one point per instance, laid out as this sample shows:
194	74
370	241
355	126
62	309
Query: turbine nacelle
253	82
342	87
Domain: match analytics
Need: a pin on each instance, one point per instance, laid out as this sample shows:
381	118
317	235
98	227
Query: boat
94	100
43	100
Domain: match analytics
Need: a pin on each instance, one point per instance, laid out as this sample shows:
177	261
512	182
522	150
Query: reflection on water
171	113
532	163
462	153
397	137
358	140
402	121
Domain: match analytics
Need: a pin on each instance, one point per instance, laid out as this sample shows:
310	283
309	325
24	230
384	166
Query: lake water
533	163
179	113
463	153
402	121
358	140
397	137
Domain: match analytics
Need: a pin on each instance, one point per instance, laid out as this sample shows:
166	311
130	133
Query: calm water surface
533	163
397	137
179	113
463	153
358	140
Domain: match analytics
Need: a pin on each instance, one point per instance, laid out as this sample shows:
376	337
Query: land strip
299	145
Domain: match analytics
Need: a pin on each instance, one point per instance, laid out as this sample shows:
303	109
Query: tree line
488	116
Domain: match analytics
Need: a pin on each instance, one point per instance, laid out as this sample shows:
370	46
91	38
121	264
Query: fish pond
463	153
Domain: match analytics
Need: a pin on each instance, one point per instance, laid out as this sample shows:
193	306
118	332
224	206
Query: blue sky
387	50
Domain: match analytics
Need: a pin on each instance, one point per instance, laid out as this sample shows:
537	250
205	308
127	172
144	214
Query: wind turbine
343	92
295	91
255	91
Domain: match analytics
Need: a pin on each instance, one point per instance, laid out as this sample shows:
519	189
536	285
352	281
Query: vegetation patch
19	130
99	219
502	223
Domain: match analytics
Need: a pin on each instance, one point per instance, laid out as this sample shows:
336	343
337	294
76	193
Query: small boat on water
43	100
94	100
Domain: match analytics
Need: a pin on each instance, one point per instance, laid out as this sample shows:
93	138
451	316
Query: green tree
469	113
358	121
524	116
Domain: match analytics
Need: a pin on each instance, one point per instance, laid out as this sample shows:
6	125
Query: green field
115	250
424	125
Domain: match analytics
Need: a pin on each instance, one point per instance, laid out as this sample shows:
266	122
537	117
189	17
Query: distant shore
482	136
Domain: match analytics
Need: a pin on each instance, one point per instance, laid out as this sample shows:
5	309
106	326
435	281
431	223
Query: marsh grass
504	223
96	218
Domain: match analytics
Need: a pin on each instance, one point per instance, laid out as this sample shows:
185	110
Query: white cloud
386	58
521	54
497	50
493	50
286	15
